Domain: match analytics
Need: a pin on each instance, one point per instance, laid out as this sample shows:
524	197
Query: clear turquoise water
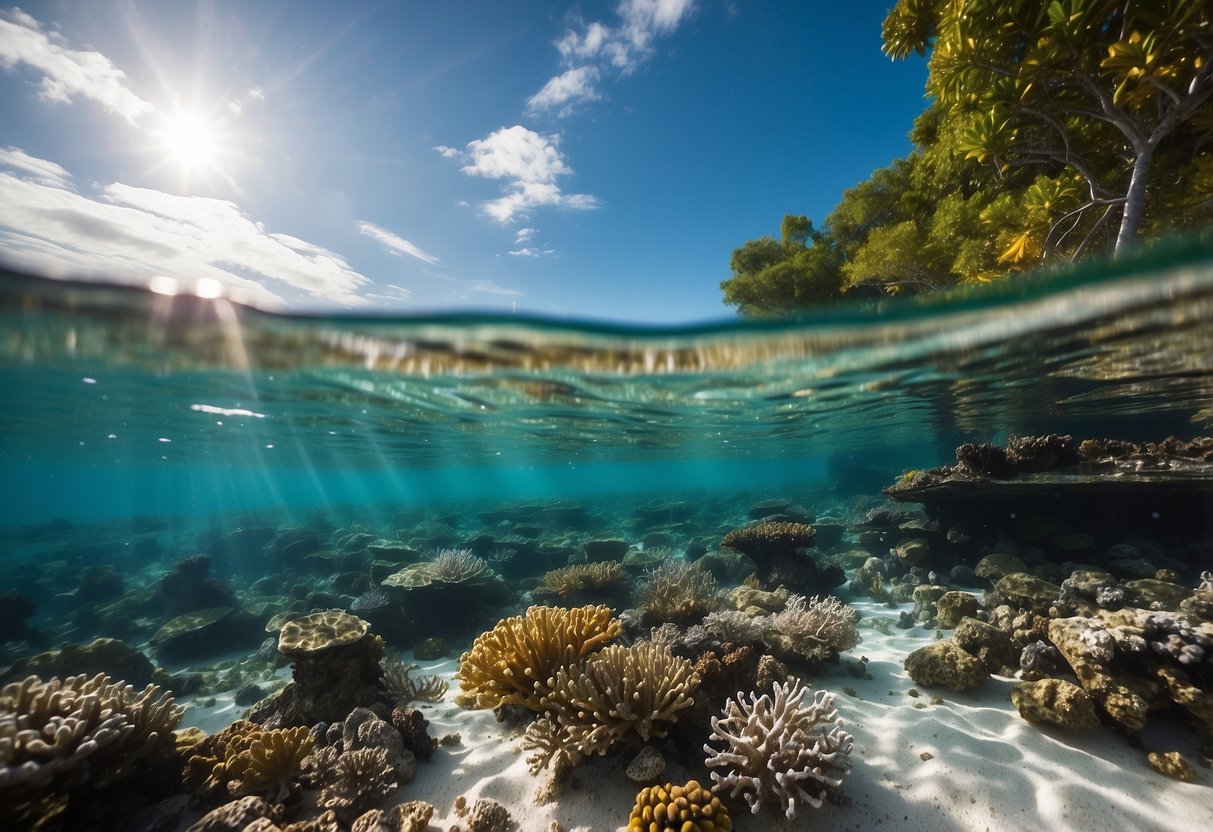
119	402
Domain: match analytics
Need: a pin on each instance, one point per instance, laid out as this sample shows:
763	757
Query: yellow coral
689	808
514	662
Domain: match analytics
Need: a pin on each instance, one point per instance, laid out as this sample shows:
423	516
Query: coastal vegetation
1055	131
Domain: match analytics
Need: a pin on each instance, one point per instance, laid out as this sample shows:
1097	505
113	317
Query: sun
189	141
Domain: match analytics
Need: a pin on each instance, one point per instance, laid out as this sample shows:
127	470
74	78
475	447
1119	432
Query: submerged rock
1055	702
945	664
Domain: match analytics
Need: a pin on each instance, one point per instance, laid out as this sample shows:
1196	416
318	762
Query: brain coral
781	749
514	662
689	808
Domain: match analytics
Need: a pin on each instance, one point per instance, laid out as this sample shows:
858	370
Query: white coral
818	627
782	748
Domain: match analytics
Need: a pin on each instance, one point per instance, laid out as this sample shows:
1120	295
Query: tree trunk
1135	202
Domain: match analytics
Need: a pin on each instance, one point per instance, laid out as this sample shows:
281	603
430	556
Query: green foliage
1056	130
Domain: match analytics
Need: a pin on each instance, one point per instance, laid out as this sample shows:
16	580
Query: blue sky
593	160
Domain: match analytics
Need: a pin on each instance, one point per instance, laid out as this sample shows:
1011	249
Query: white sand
990	771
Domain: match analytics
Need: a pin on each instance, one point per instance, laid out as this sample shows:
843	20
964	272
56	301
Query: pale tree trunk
1135	201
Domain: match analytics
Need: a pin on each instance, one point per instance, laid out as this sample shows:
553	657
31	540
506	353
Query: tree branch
1114	115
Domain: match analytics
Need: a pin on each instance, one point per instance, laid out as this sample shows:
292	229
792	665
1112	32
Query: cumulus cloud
528	251
530	163
66	72
524	234
566	90
137	234
393	243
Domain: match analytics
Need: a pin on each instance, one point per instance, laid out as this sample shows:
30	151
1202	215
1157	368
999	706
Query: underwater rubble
679	638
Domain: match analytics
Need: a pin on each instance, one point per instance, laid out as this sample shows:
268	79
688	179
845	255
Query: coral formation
670	808
1055	702
398	680
514	662
817	629
245	759
413	816
66	745
620	692
358	779
735	626
413	729
781	748
311	634
583	577
678	592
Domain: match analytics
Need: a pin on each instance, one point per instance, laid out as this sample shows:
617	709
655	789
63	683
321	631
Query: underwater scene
941	565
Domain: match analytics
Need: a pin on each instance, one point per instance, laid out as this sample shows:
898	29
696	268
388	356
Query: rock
1153	594
647	766
989	644
164	816
1027	591
998	565
1055	702
1132	568
746	598
916	551
953	606
1088	648
235	816
115	658
1172	764
945	664
248	694
605	549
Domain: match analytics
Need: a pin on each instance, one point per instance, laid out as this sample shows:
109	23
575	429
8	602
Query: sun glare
189	141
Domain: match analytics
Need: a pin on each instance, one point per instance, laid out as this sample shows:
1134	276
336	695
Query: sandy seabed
985	768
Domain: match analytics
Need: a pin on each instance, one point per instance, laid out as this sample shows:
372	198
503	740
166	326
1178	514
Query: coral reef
781	748
244	759
735	626
413	726
69	748
484	816
670	808
583	579
413	816
772	546
103	655
1055	702
817	629
514	662
619	693
677	592
238	815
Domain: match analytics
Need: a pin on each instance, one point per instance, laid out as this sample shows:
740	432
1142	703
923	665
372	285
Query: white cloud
488	287
532	252
66	72
448	152
626	45
253	96
531	162
136	234
393	243
566	90
40	170
524	234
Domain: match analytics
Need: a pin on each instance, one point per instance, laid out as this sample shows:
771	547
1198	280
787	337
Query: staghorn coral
551	747
670	808
244	759
678	592
780	748
358	780
66	744
513	663
816	629
405	689
619	692
584	577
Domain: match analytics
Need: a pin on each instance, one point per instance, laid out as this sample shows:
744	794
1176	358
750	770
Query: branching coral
244	759
669	808
817	628
64	741
735	626
782	748
514	662
584	577
618	692
679	592
400	684
451	566
550	747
